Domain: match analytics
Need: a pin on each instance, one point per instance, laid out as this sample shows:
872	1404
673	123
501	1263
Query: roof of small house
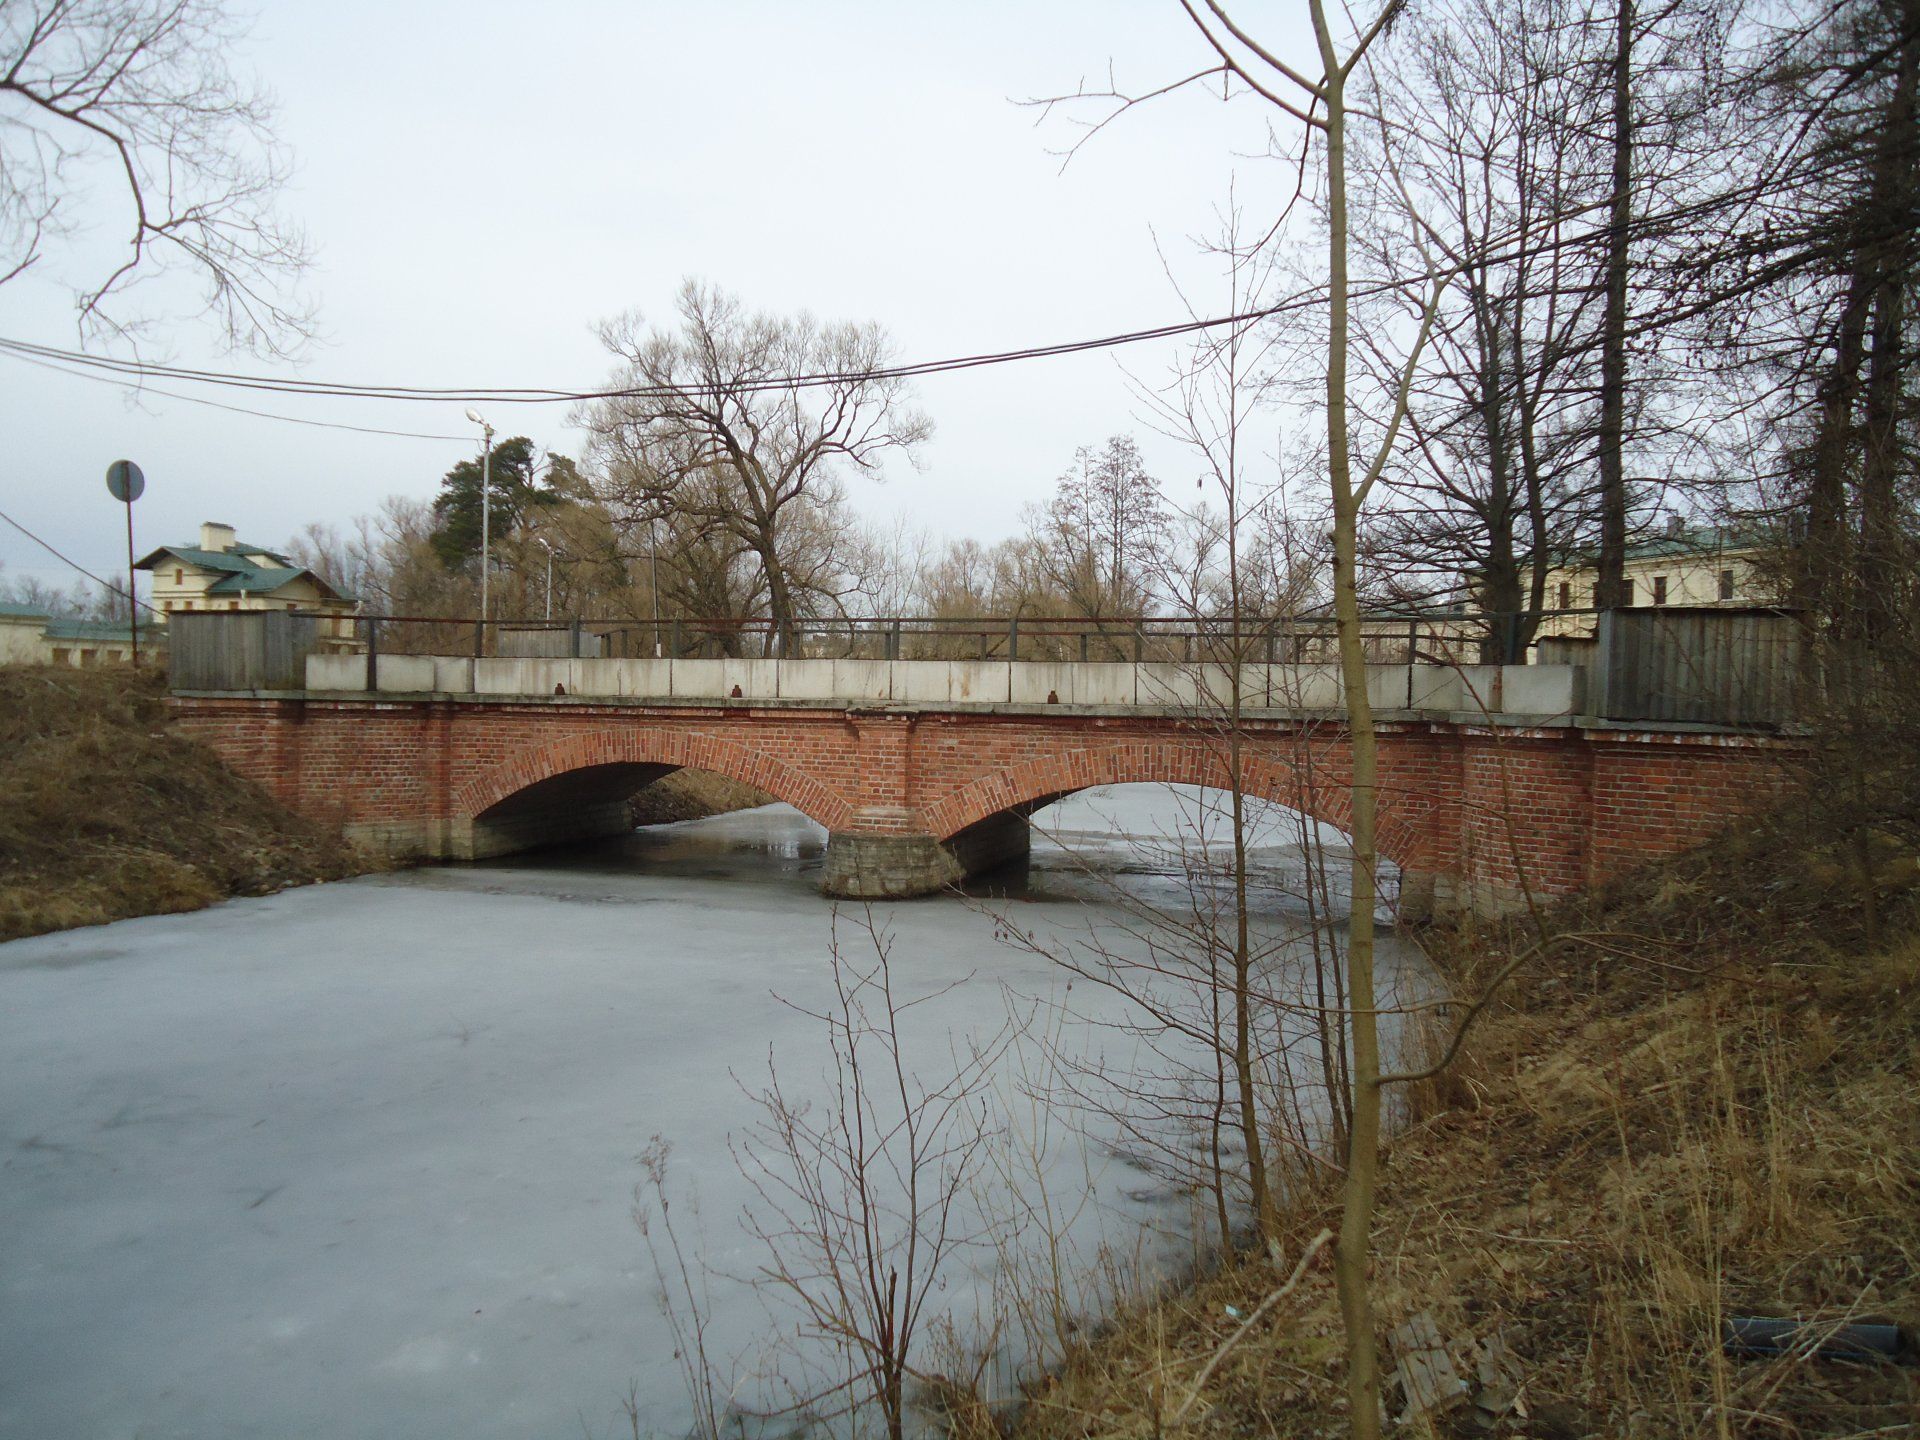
234	557
14	610
1697	541
243	576
261	580
91	629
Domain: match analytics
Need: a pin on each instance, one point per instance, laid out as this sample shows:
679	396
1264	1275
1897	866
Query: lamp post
549	549
653	577
486	505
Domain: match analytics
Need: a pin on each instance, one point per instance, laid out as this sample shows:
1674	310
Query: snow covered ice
360	1159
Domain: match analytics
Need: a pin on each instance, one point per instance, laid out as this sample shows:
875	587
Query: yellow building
1683	566
30	636
221	573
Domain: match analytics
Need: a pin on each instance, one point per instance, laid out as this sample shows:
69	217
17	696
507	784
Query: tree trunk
1352	1250
1611	587
780	611
1882	571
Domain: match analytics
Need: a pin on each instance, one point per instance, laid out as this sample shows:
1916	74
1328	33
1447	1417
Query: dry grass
1716	1114
693	795
105	815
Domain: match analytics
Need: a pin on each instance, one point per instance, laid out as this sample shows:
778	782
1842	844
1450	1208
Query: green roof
27	612
90	629
232	558
242	576
252	580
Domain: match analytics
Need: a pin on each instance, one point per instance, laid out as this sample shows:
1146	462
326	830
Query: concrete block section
859	680
1436	687
336	672
521	677
1037	682
1311	685
1389	686
643	679
754	679
1479	691
978	682
405	674
1543	689
1160	682
452	675
927	682
697	679
594	677
806	679
1104	682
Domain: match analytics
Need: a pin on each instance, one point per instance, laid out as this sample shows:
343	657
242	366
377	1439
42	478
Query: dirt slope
104	814
1708	1106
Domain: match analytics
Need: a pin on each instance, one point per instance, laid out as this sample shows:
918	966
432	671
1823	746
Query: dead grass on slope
105	814
693	795
1716	1113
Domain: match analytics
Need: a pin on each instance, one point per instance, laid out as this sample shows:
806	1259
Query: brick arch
1037	782
671	749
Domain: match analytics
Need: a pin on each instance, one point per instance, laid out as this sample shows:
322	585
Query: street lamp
549	549
486	505
653	576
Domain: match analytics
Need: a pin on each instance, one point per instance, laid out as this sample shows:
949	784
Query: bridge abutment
894	866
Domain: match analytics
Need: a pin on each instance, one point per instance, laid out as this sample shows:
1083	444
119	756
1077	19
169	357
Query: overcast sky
483	182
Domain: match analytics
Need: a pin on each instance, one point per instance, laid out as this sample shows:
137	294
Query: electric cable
107	585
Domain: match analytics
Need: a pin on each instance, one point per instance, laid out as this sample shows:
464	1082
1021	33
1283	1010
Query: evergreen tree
522	480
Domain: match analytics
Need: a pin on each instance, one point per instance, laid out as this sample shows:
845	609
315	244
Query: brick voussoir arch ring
1153	762
693	751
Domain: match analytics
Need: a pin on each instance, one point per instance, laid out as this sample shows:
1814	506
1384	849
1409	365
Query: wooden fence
1709	667
240	650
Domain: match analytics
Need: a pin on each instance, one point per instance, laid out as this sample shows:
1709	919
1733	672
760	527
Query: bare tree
1493	101
1103	534
144	89
863	1200
715	430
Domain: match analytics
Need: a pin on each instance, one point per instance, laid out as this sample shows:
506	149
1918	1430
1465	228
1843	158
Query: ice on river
359	1159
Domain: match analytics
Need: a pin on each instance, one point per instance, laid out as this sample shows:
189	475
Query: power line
1524	240
107	585
536	395
140	387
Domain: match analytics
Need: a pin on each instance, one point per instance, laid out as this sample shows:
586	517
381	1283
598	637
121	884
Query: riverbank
106	815
1703	1105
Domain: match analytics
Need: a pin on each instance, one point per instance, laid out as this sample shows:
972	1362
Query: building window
179	576
1659	589
1726	584
62	657
87	657
233	604
1566	594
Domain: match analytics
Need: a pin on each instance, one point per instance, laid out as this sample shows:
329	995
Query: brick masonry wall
1553	810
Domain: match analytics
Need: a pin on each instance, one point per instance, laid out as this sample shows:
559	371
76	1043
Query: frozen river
360	1159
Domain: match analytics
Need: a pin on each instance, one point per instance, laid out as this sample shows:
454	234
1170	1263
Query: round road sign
124	481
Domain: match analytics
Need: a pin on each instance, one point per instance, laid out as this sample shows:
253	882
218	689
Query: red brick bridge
923	772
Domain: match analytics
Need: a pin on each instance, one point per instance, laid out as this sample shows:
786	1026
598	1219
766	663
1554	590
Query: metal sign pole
125	483
133	605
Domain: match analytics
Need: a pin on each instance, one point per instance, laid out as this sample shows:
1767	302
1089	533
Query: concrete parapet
336	672
1442	691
